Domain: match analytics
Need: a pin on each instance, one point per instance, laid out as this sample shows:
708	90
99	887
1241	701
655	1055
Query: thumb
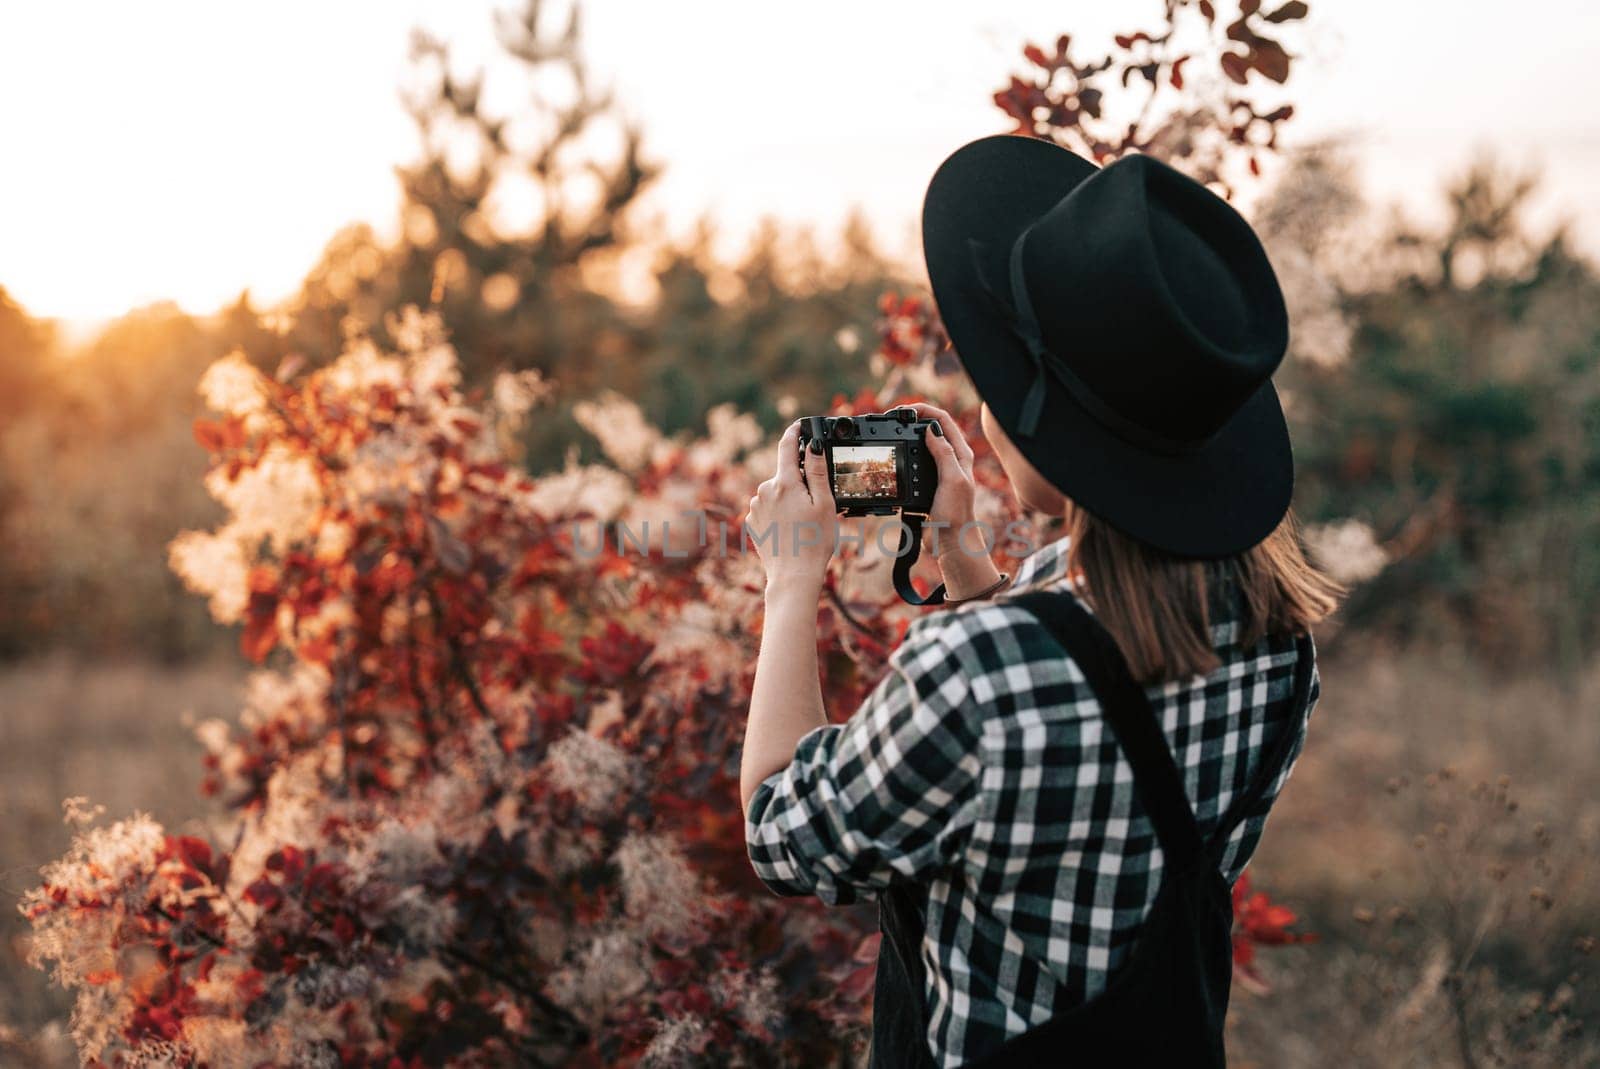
817	477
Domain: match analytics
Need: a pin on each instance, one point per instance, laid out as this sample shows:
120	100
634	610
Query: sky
189	150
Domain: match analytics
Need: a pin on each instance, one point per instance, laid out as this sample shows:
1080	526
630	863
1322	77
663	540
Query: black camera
877	463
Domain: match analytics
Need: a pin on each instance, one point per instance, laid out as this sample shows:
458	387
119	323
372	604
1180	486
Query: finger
944	455
952	431
789	455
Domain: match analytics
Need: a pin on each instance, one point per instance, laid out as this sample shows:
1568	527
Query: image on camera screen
865	471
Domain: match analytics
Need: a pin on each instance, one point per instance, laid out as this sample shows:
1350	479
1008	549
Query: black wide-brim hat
1123	324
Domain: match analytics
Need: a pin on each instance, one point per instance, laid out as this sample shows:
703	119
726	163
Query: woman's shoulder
1003	651
1001	621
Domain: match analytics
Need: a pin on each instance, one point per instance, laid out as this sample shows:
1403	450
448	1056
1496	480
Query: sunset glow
187	151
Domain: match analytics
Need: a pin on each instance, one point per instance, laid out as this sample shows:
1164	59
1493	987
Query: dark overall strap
1124	706
905	558
899	991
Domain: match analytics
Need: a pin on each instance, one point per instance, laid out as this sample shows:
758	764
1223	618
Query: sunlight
187	151
183	152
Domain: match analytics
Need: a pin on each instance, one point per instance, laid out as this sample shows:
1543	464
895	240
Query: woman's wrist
965	575
962	551
967	537
803	585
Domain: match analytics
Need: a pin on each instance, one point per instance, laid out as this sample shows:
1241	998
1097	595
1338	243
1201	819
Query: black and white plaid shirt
980	768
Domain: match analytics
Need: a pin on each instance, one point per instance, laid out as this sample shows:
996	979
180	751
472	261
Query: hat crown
1159	297
1122	324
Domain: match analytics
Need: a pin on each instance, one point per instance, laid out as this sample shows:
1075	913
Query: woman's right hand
963	555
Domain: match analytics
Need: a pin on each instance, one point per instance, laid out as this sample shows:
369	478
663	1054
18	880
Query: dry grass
1441	834
1375	991
113	732
1408	715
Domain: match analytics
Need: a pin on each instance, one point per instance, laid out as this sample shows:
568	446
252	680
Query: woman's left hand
793	522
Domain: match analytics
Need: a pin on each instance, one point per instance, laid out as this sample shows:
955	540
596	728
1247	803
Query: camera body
878	464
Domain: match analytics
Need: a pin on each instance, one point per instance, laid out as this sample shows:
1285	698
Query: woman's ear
1033	490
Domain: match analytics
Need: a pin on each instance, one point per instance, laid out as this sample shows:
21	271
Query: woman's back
982	774
1062	870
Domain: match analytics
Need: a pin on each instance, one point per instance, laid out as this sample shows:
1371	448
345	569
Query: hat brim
1217	501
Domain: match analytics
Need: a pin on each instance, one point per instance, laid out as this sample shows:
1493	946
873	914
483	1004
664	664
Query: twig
430	735
544	1002
839	606
201	932
458	659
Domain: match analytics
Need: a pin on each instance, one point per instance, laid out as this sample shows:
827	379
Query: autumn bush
481	792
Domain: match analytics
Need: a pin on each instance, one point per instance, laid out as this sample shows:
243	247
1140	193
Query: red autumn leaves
1062	98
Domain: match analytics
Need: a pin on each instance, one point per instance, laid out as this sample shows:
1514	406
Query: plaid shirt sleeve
892	790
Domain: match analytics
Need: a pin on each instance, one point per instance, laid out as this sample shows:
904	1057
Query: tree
790	336
527	297
511	298
1463	425
24	347
101	471
24	343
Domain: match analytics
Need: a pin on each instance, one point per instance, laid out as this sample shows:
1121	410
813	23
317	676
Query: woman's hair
1158	606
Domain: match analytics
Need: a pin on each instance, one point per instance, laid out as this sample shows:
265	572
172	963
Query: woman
1058	780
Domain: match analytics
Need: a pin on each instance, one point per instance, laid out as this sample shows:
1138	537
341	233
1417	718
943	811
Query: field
1368	993
1389	846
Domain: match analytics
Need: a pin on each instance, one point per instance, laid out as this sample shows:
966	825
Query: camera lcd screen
865	472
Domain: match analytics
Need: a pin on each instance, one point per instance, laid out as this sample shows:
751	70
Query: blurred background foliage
1464	423
1457	413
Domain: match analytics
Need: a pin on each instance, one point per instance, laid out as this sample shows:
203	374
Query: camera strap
906	558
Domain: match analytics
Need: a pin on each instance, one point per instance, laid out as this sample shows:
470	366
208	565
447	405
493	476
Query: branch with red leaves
1257	922
1173	114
